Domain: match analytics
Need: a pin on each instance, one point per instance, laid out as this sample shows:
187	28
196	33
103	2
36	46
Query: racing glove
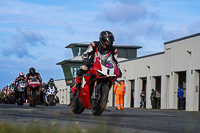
87	62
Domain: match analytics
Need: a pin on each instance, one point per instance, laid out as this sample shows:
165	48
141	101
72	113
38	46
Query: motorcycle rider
51	83
17	80
95	49
20	78
32	75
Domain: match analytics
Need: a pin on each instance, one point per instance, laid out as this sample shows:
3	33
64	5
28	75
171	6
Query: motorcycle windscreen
107	60
107	64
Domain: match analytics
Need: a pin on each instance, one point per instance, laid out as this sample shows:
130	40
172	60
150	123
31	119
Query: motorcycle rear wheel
99	106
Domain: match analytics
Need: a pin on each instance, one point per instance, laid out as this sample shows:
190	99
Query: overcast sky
34	33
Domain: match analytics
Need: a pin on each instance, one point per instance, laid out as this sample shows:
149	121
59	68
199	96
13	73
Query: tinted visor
110	39
32	71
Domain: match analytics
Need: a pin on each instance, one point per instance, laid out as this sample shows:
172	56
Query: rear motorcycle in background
11	96
50	96
4	96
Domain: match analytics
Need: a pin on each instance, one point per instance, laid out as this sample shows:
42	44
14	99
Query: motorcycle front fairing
21	86
34	85
51	90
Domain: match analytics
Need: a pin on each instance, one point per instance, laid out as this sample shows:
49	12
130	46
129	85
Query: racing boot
77	86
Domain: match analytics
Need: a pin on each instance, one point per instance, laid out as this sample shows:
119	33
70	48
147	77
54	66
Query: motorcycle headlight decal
100	74
108	71
112	77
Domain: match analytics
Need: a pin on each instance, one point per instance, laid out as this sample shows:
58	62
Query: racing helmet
21	74
51	80
32	70
106	39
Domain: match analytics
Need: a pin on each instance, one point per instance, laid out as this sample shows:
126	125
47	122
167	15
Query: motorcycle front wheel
51	98
21	100
33	100
98	106
76	106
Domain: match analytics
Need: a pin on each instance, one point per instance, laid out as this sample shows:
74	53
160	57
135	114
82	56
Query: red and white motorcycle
98	81
33	91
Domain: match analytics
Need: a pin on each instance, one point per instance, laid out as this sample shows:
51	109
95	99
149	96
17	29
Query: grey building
177	65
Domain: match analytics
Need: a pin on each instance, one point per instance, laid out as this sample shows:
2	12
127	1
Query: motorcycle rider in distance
18	79
95	49
32	74
51	82
5	91
16	82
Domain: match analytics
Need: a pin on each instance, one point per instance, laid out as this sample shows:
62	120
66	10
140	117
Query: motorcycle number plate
22	85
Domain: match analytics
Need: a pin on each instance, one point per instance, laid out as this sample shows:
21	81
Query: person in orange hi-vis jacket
120	91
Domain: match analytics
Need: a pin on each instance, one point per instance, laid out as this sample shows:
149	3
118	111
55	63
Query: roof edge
86	44
183	38
69	61
142	57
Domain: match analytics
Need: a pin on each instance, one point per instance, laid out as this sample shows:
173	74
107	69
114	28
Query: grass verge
38	127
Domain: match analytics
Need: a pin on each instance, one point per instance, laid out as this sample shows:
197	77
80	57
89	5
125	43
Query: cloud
194	27
183	31
11	67
32	38
68	28
125	11
128	2
20	42
133	22
136	33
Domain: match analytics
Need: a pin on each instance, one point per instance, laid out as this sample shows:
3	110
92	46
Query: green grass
38	127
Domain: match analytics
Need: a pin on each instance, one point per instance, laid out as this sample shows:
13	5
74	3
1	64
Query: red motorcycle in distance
98	81
33	91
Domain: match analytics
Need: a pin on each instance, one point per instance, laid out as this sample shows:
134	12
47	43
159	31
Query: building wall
175	59
63	91
137	69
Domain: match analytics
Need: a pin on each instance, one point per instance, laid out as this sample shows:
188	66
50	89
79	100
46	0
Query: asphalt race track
127	120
